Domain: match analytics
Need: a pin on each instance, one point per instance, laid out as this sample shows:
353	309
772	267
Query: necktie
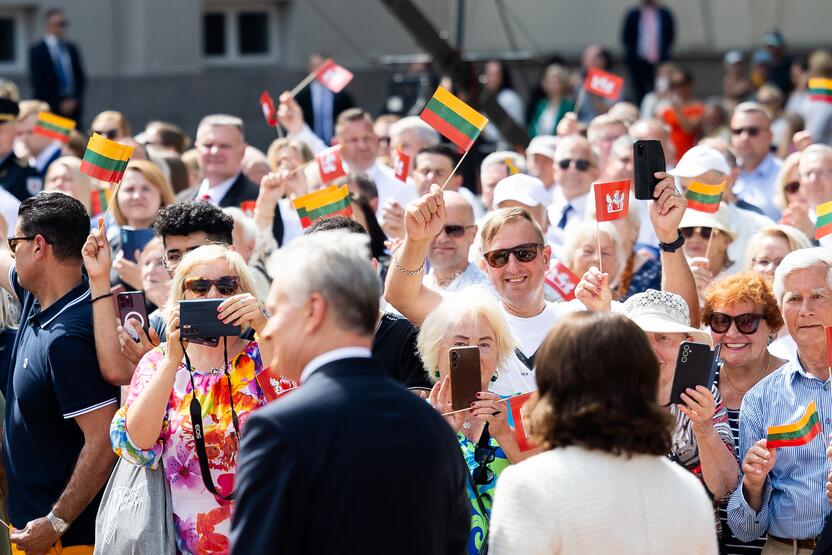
564	216
63	79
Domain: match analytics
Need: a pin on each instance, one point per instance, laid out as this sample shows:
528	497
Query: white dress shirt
332	356
574	218
42	159
216	193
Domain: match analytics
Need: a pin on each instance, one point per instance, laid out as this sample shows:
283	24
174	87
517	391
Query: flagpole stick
103	218
306	80
464	154
598	239
466	409
708	248
279	130
579	101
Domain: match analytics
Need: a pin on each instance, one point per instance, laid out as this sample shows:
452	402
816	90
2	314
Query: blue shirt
757	187
53	378
794	500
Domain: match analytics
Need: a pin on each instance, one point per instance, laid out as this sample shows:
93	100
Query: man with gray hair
410	135
349	435
781	491
751	139
494	168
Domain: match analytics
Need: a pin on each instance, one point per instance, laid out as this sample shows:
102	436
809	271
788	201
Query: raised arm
404	289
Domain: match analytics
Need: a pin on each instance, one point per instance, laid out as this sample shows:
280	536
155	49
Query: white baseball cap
720	220
522	188
543	144
699	160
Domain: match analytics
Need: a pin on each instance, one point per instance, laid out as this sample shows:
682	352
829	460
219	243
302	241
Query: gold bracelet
405	271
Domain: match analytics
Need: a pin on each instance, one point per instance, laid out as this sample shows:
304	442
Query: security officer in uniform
15	175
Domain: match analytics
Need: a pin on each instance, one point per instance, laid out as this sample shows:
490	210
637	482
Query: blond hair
31	107
788	166
82	185
154	175
503	217
793	236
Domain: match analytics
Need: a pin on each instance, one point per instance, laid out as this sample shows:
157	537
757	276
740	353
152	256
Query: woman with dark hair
604	483
496	78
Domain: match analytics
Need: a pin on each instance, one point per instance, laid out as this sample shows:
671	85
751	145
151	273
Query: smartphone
133	239
132	306
648	158
466	378
199	322
695	365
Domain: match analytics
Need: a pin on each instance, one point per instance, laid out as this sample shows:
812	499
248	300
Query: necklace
763	372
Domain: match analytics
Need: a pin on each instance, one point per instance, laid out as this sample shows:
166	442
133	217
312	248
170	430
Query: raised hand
290	114
425	216
594	290
97	256
667	208
757	463
392	219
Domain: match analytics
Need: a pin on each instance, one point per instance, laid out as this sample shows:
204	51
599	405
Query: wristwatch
58	524
674	246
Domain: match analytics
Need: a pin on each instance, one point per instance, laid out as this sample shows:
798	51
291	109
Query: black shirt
394	344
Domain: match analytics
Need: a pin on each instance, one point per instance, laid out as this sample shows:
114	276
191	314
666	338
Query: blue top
757	187
794	501
53	378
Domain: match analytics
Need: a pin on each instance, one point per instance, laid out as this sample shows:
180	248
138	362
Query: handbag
130	519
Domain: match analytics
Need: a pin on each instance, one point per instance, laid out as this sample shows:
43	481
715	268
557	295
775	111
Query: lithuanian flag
820	89
453	118
823	225
105	159
332	201
54	127
800	433
705	198
100	199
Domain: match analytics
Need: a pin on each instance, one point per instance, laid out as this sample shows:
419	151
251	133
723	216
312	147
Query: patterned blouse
479	521
201	520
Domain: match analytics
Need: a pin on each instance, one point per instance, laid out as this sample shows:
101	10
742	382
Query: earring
494	378
436	374
771	339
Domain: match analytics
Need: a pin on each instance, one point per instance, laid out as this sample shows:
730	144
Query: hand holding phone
132	306
648	158
466	380
200	323
695	365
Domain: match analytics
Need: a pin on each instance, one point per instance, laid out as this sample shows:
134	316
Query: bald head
454	201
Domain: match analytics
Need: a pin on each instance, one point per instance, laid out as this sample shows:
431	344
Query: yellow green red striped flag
457	121
705	198
799	433
54	127
105	159
100	198
332	201
820	89
823	224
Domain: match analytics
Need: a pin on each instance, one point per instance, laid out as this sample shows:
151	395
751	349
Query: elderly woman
766	249
701	440
606	437
707	237
744	317
472	317
64	175
581	250
155	278
228	380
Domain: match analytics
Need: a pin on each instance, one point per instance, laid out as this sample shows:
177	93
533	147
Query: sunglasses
226	285
523	253
483	456
455	231
746	323
752	131
580	164
704	232
13	241
792	187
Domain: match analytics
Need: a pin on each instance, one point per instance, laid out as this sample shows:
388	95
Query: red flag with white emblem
333	76
612	200
401	164
269	111
603	84
562	280
330	164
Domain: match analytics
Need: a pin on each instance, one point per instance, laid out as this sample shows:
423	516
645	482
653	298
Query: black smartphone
466	379
133	239
199	322
132	306
695	365
648	158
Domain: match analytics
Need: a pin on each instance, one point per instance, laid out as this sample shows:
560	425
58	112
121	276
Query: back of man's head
60	219
186	217
335	223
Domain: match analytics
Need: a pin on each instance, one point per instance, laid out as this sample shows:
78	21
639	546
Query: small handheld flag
100	198
602	83
799	433
401	164
332	76
105	159
820	89
457	121
705	198
248	207
612	200
823	224
517	421
54	127
269	111
562	280
332	201
330	164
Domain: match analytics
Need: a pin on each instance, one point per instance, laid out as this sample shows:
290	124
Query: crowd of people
295	431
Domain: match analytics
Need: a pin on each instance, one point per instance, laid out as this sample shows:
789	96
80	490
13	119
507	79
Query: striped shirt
794	500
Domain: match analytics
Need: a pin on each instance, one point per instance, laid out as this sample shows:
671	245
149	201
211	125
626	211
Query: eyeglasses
454	230
752	131
13	241
747	323
765	263
580	164
226	285
792	187
523	253
484	454
110	133
704	232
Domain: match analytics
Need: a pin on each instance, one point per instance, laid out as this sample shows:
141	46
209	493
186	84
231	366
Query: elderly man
602	132
540	159
782	489
411	135
494	168
751	139
349	436
576	167
815	175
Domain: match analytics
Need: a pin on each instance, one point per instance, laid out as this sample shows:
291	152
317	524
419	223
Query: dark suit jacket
340	102
630	31
241	190
350	463
45	80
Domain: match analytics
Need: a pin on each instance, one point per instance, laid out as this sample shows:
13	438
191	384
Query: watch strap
674	246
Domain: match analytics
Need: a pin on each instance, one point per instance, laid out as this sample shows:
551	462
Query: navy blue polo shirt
53	378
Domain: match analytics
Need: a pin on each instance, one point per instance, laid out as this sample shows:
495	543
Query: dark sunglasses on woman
226	285
747	323
580	164
523	253
704	232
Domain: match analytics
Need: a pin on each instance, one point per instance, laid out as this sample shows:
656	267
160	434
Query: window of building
12	42
239	34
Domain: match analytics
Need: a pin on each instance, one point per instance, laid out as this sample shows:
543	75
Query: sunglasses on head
226	285
747	323
752	131
523	253
792	187
580	164
454	230
704	232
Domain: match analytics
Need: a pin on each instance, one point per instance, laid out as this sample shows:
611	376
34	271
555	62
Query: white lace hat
663	312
